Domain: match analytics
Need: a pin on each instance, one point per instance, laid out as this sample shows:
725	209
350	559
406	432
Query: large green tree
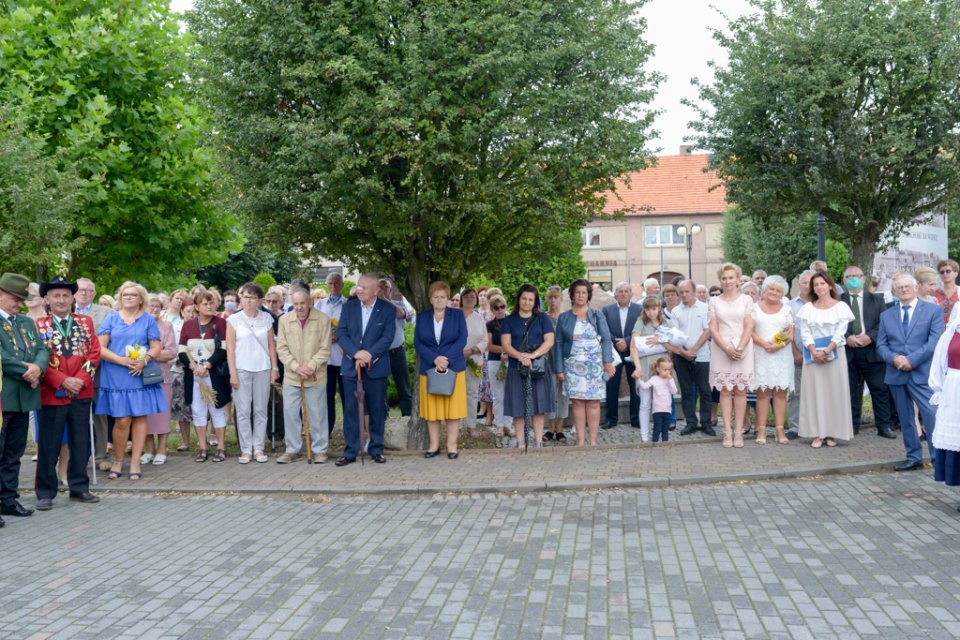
426	139
103	84
849	108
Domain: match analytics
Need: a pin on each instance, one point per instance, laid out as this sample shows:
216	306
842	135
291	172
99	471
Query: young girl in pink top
664	388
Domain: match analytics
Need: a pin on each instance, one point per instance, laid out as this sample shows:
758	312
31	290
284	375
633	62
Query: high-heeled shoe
781	437
453	455
738	441
431	454
727	439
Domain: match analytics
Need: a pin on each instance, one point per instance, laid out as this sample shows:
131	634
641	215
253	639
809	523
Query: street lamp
684	232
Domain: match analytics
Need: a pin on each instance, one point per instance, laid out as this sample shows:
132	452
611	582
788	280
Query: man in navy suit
864	364
621	317
365	333
908	336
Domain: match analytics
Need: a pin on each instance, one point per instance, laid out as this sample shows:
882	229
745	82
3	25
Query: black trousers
333	379
860	370
613	395
694	375
401	378
13	442
52	418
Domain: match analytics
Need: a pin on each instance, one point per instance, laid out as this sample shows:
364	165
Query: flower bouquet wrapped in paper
782	336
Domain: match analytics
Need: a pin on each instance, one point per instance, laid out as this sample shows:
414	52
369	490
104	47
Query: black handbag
152	374
222	368
441	383
538	366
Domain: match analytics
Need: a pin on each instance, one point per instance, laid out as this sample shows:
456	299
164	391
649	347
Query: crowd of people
111	377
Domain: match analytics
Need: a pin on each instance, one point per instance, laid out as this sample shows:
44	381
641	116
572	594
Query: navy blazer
376	339
612	313
453	340
563	336
926	326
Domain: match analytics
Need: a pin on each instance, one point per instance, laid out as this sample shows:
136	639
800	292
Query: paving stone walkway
870	556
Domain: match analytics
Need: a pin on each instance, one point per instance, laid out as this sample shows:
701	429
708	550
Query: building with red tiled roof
659	204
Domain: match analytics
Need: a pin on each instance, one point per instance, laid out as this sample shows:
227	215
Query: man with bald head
908	335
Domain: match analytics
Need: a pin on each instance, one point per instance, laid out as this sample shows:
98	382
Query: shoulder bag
538	366
152	374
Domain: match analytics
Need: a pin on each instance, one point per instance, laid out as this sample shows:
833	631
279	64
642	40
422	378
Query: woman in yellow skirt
440	339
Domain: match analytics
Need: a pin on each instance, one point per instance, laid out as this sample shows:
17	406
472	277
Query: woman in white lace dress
772	357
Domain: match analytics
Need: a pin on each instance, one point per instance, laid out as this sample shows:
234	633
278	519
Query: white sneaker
146	458
159	459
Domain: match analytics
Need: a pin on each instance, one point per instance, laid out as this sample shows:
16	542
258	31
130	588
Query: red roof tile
676	184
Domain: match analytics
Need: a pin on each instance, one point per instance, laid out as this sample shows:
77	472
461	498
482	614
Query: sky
680	31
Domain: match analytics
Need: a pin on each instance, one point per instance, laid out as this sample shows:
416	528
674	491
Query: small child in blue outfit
664	388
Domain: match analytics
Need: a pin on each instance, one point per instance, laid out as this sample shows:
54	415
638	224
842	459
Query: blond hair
141	291
729	266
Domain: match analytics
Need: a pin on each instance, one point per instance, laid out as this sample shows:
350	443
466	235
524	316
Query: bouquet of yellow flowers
782	337
136	352
334	323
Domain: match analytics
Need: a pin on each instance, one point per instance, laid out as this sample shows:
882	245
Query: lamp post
688	234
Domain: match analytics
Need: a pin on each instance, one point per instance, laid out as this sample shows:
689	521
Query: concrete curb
519	487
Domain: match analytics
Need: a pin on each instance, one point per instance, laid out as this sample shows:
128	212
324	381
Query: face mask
896	298
230	306
855	283
334	298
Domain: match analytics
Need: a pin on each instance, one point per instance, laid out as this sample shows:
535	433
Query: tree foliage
424	139
37	197
754	243
847	108
103	85
542	263
242	266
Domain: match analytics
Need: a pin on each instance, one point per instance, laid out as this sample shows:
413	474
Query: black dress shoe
909	466
2	523
709	431
378	458
609	426
431	454
15	509
342	462
792	435
886	433
688	431
453	456
86	497
44	504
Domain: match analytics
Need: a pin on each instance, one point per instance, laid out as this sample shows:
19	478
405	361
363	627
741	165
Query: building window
602	277
591	238
663	235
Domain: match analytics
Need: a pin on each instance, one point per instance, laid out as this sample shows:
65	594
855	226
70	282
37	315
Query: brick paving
869	556
687	460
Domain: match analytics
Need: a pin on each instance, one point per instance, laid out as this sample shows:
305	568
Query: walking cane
93	457
364	434
306	422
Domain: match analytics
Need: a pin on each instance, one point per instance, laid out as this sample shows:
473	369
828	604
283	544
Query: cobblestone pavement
858	556
554	467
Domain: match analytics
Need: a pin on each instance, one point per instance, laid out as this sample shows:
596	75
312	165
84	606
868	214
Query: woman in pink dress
731	352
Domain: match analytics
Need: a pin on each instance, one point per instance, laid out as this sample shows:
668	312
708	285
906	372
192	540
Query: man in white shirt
693	362
332	306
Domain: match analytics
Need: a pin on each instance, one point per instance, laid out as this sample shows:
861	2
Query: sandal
761	435
244	458
220	455
727	439
202	456
116	473
830	442
182	448
781	438
817	443
261	457
738	441
548	436
135	475
561	437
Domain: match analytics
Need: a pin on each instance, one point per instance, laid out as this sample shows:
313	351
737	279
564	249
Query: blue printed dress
583	370
121	394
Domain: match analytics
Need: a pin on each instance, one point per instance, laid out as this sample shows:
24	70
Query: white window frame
661	228
588	234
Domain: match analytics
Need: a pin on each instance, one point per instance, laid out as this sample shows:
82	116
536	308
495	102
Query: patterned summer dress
583	370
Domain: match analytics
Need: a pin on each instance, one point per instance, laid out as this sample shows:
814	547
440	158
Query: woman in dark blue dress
527	334
129	340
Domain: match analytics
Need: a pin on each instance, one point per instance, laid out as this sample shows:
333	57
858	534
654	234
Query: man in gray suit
621	318
85	306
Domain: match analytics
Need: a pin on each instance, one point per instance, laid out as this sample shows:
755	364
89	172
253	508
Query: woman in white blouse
473	354
825	412
252	357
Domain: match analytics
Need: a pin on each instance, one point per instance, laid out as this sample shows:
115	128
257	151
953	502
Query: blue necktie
906	319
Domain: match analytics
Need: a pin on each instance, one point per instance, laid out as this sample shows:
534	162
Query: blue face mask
896	298
855	283
335	298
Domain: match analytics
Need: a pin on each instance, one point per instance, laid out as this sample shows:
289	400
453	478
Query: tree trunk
417	437
863	249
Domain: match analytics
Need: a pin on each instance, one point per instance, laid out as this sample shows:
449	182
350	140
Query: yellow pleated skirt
452	407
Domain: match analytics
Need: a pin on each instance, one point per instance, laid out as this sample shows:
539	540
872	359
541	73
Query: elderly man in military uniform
66	393
24	361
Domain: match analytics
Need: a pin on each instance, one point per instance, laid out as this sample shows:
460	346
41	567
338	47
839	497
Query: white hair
761	271
746	286
776	281
905	276
333	275
622	283
649	282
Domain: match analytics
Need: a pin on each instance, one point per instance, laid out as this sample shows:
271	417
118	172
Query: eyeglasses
945	271
714	294
130	295
498	308
94	290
